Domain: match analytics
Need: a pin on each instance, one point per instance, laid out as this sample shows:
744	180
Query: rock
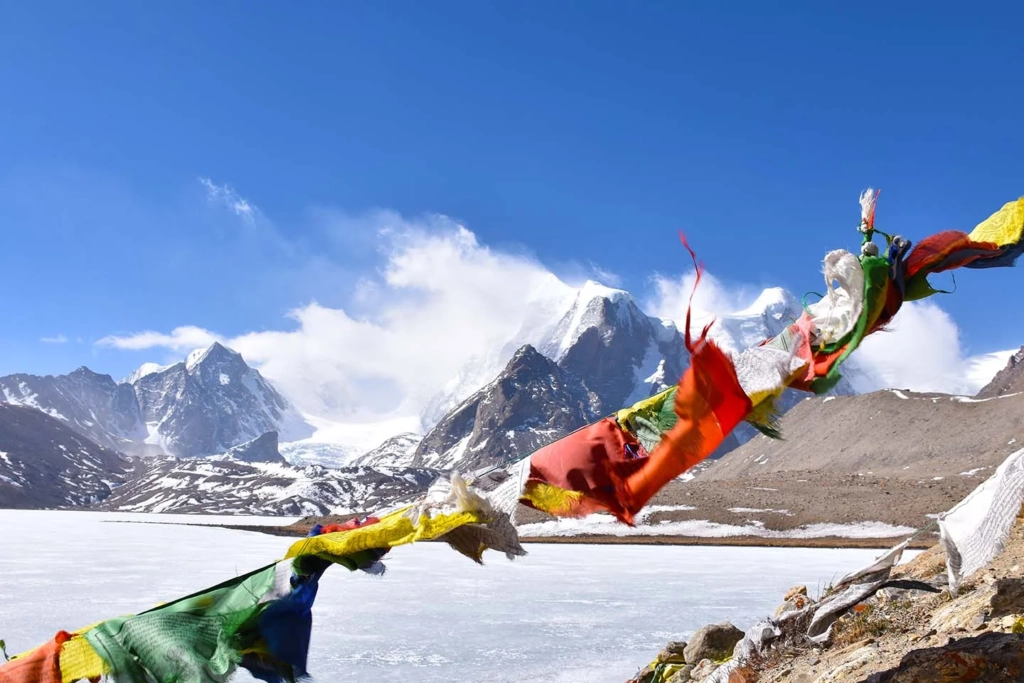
646	675
743	675
703	669
714	642
674	653
857	659
681	676
991	657
795	599
979	620
671	654
797	602
795	591
960	613
1008	598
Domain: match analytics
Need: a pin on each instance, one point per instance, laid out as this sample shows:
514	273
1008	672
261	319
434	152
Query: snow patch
605	525
145	370
759	510
971	473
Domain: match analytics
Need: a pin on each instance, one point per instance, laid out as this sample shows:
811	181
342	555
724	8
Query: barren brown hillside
890	456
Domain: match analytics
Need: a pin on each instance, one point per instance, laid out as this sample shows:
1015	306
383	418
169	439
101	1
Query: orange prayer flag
41	665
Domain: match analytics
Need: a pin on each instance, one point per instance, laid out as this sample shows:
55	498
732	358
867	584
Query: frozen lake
564	613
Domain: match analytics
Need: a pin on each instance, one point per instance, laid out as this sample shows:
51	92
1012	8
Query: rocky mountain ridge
92	404
199	407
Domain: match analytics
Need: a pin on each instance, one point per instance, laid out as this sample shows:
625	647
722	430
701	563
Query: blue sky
579	135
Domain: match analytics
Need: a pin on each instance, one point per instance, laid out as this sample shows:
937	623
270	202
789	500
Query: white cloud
439	299
58	339
921	351
226	196
184	338
713	297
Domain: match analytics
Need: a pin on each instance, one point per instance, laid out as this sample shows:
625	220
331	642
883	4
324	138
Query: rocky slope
887	433
895	636
261	449
1009	380
45	464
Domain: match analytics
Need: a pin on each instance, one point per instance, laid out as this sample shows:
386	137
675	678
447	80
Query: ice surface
562	614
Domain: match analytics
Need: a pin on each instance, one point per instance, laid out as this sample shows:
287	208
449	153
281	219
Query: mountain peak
595	306
86	372
216	351
592	289
771	300
525	353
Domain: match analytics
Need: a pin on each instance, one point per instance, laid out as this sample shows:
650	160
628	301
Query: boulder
702	670
795	599
681	676
795	591
1008	598
674	653
715	642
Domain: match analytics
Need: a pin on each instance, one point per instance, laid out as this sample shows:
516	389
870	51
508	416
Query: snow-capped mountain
216	485
530	404
601	354
621	354
202	406
46	464
211	402
93	405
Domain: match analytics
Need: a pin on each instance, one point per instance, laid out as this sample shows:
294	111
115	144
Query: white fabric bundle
975	530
